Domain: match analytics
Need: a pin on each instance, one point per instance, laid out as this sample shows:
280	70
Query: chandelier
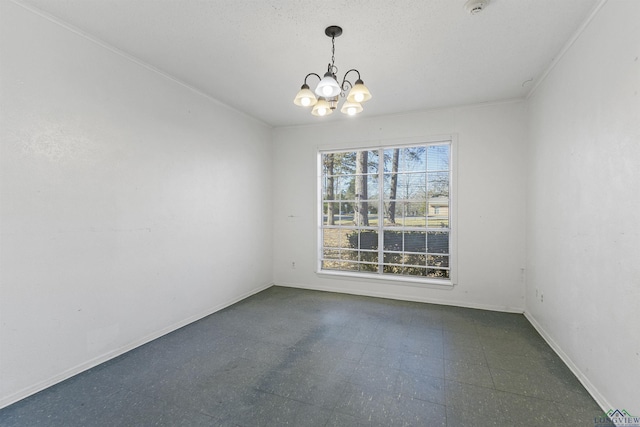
328	91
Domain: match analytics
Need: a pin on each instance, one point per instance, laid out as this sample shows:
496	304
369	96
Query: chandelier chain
333	55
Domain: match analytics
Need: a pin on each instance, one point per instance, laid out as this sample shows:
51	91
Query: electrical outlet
541	297
293	265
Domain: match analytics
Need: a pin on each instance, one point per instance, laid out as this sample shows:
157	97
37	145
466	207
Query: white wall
127	201
583	229
491	245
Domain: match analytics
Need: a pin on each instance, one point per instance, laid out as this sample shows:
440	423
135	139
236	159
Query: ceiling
412	54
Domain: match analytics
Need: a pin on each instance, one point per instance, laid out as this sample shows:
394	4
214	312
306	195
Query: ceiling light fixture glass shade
359	92
328	91
351	108
305	98
328	86
322	108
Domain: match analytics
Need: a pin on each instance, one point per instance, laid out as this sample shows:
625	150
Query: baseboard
391	295
604	404
28	391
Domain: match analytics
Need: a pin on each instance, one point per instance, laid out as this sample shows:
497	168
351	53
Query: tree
329	167
410	155
362	206
391	213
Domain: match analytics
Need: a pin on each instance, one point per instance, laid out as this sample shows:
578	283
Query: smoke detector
475	6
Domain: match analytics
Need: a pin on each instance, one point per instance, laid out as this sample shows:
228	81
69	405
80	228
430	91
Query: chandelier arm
311	74
345	86
345	81
353	69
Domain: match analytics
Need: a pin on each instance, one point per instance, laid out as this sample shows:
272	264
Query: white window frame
453	217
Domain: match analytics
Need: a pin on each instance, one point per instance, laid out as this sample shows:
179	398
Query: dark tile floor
291	357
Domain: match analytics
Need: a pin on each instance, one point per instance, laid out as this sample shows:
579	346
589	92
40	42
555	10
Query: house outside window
385	212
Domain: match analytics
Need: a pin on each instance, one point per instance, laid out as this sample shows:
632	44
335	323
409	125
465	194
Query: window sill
392	280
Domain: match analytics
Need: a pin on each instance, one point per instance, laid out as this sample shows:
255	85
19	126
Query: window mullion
380	209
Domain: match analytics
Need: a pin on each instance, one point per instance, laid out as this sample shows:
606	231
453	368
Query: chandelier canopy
328	91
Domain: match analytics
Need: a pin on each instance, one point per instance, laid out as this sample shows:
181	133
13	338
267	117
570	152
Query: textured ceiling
412	54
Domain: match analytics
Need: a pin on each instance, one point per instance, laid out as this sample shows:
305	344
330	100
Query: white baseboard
604	404
28	391
391	295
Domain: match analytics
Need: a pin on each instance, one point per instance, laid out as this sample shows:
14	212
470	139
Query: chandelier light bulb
359	92
328	86
351	108
322	108
305	98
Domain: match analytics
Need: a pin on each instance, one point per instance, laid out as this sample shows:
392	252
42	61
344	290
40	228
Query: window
385	212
